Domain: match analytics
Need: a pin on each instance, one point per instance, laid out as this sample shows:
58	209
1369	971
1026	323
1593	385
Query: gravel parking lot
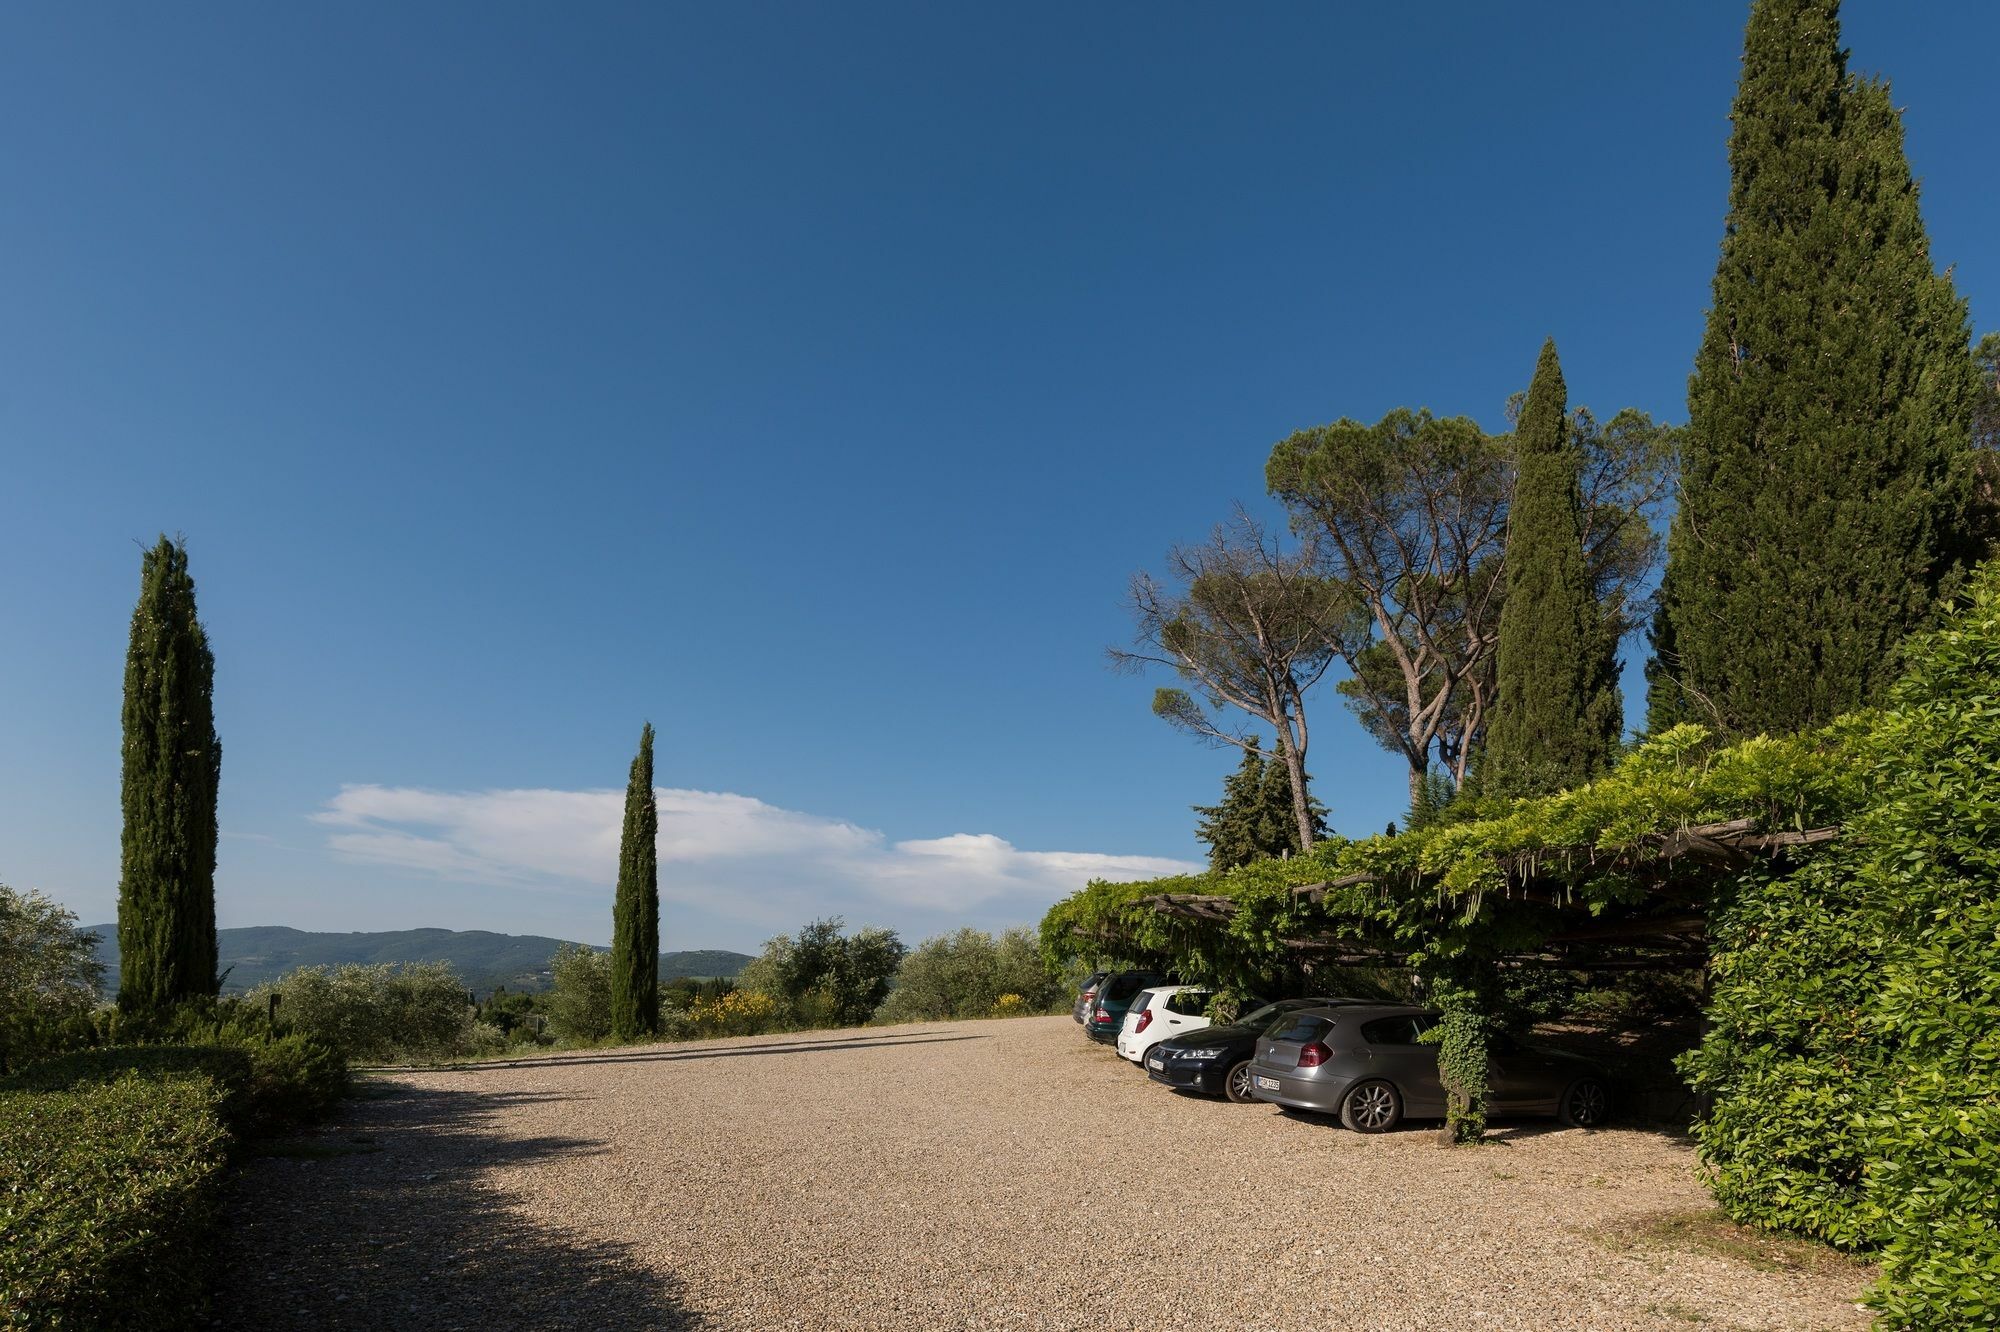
1002	1174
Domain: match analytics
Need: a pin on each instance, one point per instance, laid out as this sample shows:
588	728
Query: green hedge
267	1084
108	1194
1854	1053
111	1164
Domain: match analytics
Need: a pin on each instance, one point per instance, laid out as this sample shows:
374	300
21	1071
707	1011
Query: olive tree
49	971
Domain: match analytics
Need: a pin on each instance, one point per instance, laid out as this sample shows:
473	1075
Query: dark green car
1113	1000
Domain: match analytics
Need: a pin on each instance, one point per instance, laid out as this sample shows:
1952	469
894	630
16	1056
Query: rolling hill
257	953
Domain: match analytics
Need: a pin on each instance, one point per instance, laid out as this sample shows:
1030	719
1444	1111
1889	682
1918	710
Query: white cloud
745	866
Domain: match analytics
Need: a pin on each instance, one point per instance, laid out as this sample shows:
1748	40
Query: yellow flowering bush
738	1013
1009	1005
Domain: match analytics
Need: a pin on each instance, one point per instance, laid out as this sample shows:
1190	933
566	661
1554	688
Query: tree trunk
1295	764
1417	773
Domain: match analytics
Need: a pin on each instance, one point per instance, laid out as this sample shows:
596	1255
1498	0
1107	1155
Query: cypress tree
172	762
1825	484
635	919
1229	828
1558	709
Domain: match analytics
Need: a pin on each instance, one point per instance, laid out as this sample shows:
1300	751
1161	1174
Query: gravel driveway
1003	1174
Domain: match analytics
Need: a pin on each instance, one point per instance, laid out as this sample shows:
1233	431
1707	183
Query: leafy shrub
294	1080
1642	999
737	1013
1010	1005
580	994
108	1194
264	1083
226	1068
49	974
824	978
387	1011
963	975
1854	1052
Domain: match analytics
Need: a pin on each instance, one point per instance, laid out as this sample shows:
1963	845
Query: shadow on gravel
386	1221
727	1052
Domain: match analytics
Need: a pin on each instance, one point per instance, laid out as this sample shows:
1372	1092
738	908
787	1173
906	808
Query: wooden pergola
1673	935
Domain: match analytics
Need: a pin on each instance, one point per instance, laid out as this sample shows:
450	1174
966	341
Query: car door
1525	1081
1181	1012
1396	1055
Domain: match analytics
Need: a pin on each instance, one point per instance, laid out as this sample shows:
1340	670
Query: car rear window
1300	1029
1121	988
1189	1003
1402	1029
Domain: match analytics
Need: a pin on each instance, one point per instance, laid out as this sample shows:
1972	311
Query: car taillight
1145	1020
1312	1056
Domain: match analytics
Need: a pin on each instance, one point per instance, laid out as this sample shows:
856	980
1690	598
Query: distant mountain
257	953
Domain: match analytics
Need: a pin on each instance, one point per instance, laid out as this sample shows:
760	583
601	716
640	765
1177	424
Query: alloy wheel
1586	1104
1239	1082
1373	1107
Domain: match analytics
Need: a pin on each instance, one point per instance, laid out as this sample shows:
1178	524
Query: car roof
1366	1009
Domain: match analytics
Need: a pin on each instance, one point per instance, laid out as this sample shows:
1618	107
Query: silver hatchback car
1364	1063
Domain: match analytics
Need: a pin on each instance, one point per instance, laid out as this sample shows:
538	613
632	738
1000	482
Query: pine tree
172	764
1276	822
1825	485
1229	828
1256	819
635	920
1433	797
1558	710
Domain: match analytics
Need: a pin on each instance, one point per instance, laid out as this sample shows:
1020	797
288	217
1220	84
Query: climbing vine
1465	994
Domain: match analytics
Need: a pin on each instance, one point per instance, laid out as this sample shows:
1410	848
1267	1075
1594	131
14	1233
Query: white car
1166	1010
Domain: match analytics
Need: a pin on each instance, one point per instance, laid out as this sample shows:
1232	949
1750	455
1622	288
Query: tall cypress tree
1558	709
1825	485
172	764
635	918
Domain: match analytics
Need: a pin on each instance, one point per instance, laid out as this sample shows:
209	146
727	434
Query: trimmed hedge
108	1194
111	1165
266	1085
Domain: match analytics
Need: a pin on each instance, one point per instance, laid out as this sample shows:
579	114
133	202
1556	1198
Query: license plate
1268	1084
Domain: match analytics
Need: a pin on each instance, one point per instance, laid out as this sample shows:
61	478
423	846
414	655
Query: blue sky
807	379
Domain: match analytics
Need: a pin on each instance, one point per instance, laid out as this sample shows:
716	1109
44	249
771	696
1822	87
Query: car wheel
1585	1105
1237	1085
1371	1107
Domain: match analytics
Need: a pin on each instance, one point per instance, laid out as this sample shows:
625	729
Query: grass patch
1708	1232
